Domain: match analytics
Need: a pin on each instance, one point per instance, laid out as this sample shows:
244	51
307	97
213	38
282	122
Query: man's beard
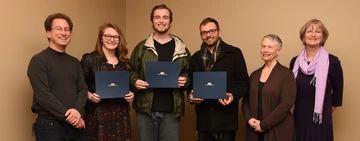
161	32
213	44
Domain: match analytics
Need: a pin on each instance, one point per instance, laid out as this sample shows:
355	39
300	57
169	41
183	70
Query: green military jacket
144	52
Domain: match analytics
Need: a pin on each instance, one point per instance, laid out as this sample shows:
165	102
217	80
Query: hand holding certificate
111	84
93	97
229	98
194	100
182	81
129	97
141	85
209	85
162	74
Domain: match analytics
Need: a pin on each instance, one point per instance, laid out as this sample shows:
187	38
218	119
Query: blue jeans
157	126
52	130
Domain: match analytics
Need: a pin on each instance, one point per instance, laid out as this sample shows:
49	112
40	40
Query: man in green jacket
158	110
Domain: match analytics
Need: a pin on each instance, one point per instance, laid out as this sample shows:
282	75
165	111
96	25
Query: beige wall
243	24
23	35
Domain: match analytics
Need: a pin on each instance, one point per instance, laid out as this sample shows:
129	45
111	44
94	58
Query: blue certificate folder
112	84
162	74
209	85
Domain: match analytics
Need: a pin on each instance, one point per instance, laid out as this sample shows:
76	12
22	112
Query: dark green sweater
58	84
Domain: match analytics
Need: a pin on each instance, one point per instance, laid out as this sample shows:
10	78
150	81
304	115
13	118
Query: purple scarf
320	67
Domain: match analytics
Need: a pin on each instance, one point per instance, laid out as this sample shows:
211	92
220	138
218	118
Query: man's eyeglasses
211	31
59	29
108	37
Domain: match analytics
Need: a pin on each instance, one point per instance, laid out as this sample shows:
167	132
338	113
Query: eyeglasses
108	37
211	31
313	31
59	29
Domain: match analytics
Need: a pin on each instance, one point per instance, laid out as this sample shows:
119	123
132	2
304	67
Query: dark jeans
158	126
52	130
217	136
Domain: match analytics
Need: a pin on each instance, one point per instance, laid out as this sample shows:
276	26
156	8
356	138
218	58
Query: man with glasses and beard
158	110
217	120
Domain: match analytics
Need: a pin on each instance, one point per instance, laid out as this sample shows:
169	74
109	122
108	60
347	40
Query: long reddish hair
121	51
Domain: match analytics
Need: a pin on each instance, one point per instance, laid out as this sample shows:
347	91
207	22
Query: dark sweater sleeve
292	62
337	81
81	92
89	75
287	100
185	70
241	77
191	80
135	63
38	76
245	105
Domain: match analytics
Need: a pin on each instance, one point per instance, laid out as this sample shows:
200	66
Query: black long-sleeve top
58	84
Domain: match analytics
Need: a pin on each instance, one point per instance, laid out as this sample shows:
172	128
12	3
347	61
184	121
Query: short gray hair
274	38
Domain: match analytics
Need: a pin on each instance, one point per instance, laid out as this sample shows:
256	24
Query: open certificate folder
209	85
162	74
112	84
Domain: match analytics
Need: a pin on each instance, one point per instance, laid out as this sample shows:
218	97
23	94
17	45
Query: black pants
52	130
217	136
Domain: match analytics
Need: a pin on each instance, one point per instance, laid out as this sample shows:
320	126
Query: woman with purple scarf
319	79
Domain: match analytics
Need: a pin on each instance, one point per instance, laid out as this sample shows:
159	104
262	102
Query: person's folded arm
82	91
246	108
